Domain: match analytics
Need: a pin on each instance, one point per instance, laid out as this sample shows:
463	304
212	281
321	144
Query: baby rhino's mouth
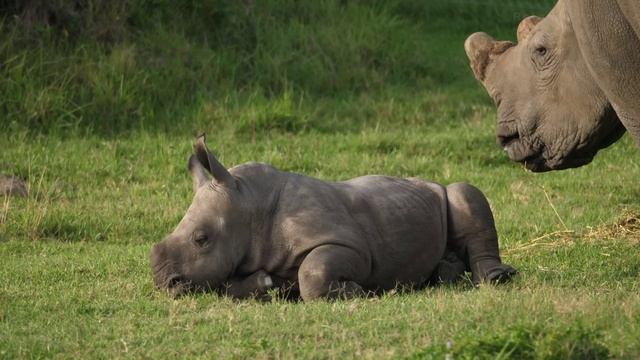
177	285
174	280
174	283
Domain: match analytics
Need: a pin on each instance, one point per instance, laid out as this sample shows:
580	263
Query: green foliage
69	20
109	66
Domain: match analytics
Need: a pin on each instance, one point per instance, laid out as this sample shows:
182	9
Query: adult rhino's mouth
538	158
535	157
521	149
533	160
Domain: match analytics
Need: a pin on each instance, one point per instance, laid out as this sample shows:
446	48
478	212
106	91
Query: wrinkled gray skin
254	227
569	87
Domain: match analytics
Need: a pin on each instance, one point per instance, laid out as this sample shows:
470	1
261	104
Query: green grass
102	131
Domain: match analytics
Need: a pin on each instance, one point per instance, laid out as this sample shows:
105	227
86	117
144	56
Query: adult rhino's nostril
505	139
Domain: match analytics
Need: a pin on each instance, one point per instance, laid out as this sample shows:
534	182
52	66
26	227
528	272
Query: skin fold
254	228
570	85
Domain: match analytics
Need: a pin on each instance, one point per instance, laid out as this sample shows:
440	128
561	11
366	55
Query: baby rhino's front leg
332	271
472	234
255	285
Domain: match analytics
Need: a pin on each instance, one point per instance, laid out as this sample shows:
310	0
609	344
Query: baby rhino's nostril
174	280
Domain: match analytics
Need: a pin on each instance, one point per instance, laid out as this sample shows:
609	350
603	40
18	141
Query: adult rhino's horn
481	49
210	163
526	25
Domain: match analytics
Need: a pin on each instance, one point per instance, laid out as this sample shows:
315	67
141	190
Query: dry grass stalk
626	228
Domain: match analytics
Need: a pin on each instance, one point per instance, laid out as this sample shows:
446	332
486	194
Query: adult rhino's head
209	242
551	113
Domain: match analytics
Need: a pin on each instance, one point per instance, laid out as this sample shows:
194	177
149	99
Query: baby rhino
253	227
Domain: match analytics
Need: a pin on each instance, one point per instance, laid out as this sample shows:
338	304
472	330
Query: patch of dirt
13	185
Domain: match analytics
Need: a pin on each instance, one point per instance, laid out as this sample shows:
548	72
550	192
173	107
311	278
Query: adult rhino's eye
540	57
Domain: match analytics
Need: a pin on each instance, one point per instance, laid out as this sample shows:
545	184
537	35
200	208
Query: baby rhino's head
209	242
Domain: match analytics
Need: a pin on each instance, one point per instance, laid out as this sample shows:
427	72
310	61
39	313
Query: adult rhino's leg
472	234
331	271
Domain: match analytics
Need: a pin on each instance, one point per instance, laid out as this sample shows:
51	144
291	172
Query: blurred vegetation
100	66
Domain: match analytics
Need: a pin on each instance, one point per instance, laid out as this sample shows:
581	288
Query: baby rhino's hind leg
472	234
449	269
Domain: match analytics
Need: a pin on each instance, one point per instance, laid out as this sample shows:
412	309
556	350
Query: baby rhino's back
405	221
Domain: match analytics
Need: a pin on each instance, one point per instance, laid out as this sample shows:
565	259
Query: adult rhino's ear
481	49
526	25
211	164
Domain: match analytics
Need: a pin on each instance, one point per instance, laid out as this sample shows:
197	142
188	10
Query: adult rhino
254	227
569	87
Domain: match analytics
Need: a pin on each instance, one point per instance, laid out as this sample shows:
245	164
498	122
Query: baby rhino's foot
496	274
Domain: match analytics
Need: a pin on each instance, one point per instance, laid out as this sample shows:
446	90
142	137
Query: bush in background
100	66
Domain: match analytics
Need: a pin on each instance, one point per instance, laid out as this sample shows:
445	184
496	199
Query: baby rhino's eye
201	239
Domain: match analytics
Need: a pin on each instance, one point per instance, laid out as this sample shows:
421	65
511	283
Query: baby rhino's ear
199	175
211	164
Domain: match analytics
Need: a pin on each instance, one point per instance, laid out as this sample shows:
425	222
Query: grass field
101	129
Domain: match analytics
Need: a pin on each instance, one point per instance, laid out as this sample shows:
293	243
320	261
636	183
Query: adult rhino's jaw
541	149
581	154
536	156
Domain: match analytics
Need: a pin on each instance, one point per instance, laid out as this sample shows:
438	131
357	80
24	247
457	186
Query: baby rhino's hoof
497	275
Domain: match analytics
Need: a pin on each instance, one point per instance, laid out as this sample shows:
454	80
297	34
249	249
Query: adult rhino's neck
608	33
262	187
560	15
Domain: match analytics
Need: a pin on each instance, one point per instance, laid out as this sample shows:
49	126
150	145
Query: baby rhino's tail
472	234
